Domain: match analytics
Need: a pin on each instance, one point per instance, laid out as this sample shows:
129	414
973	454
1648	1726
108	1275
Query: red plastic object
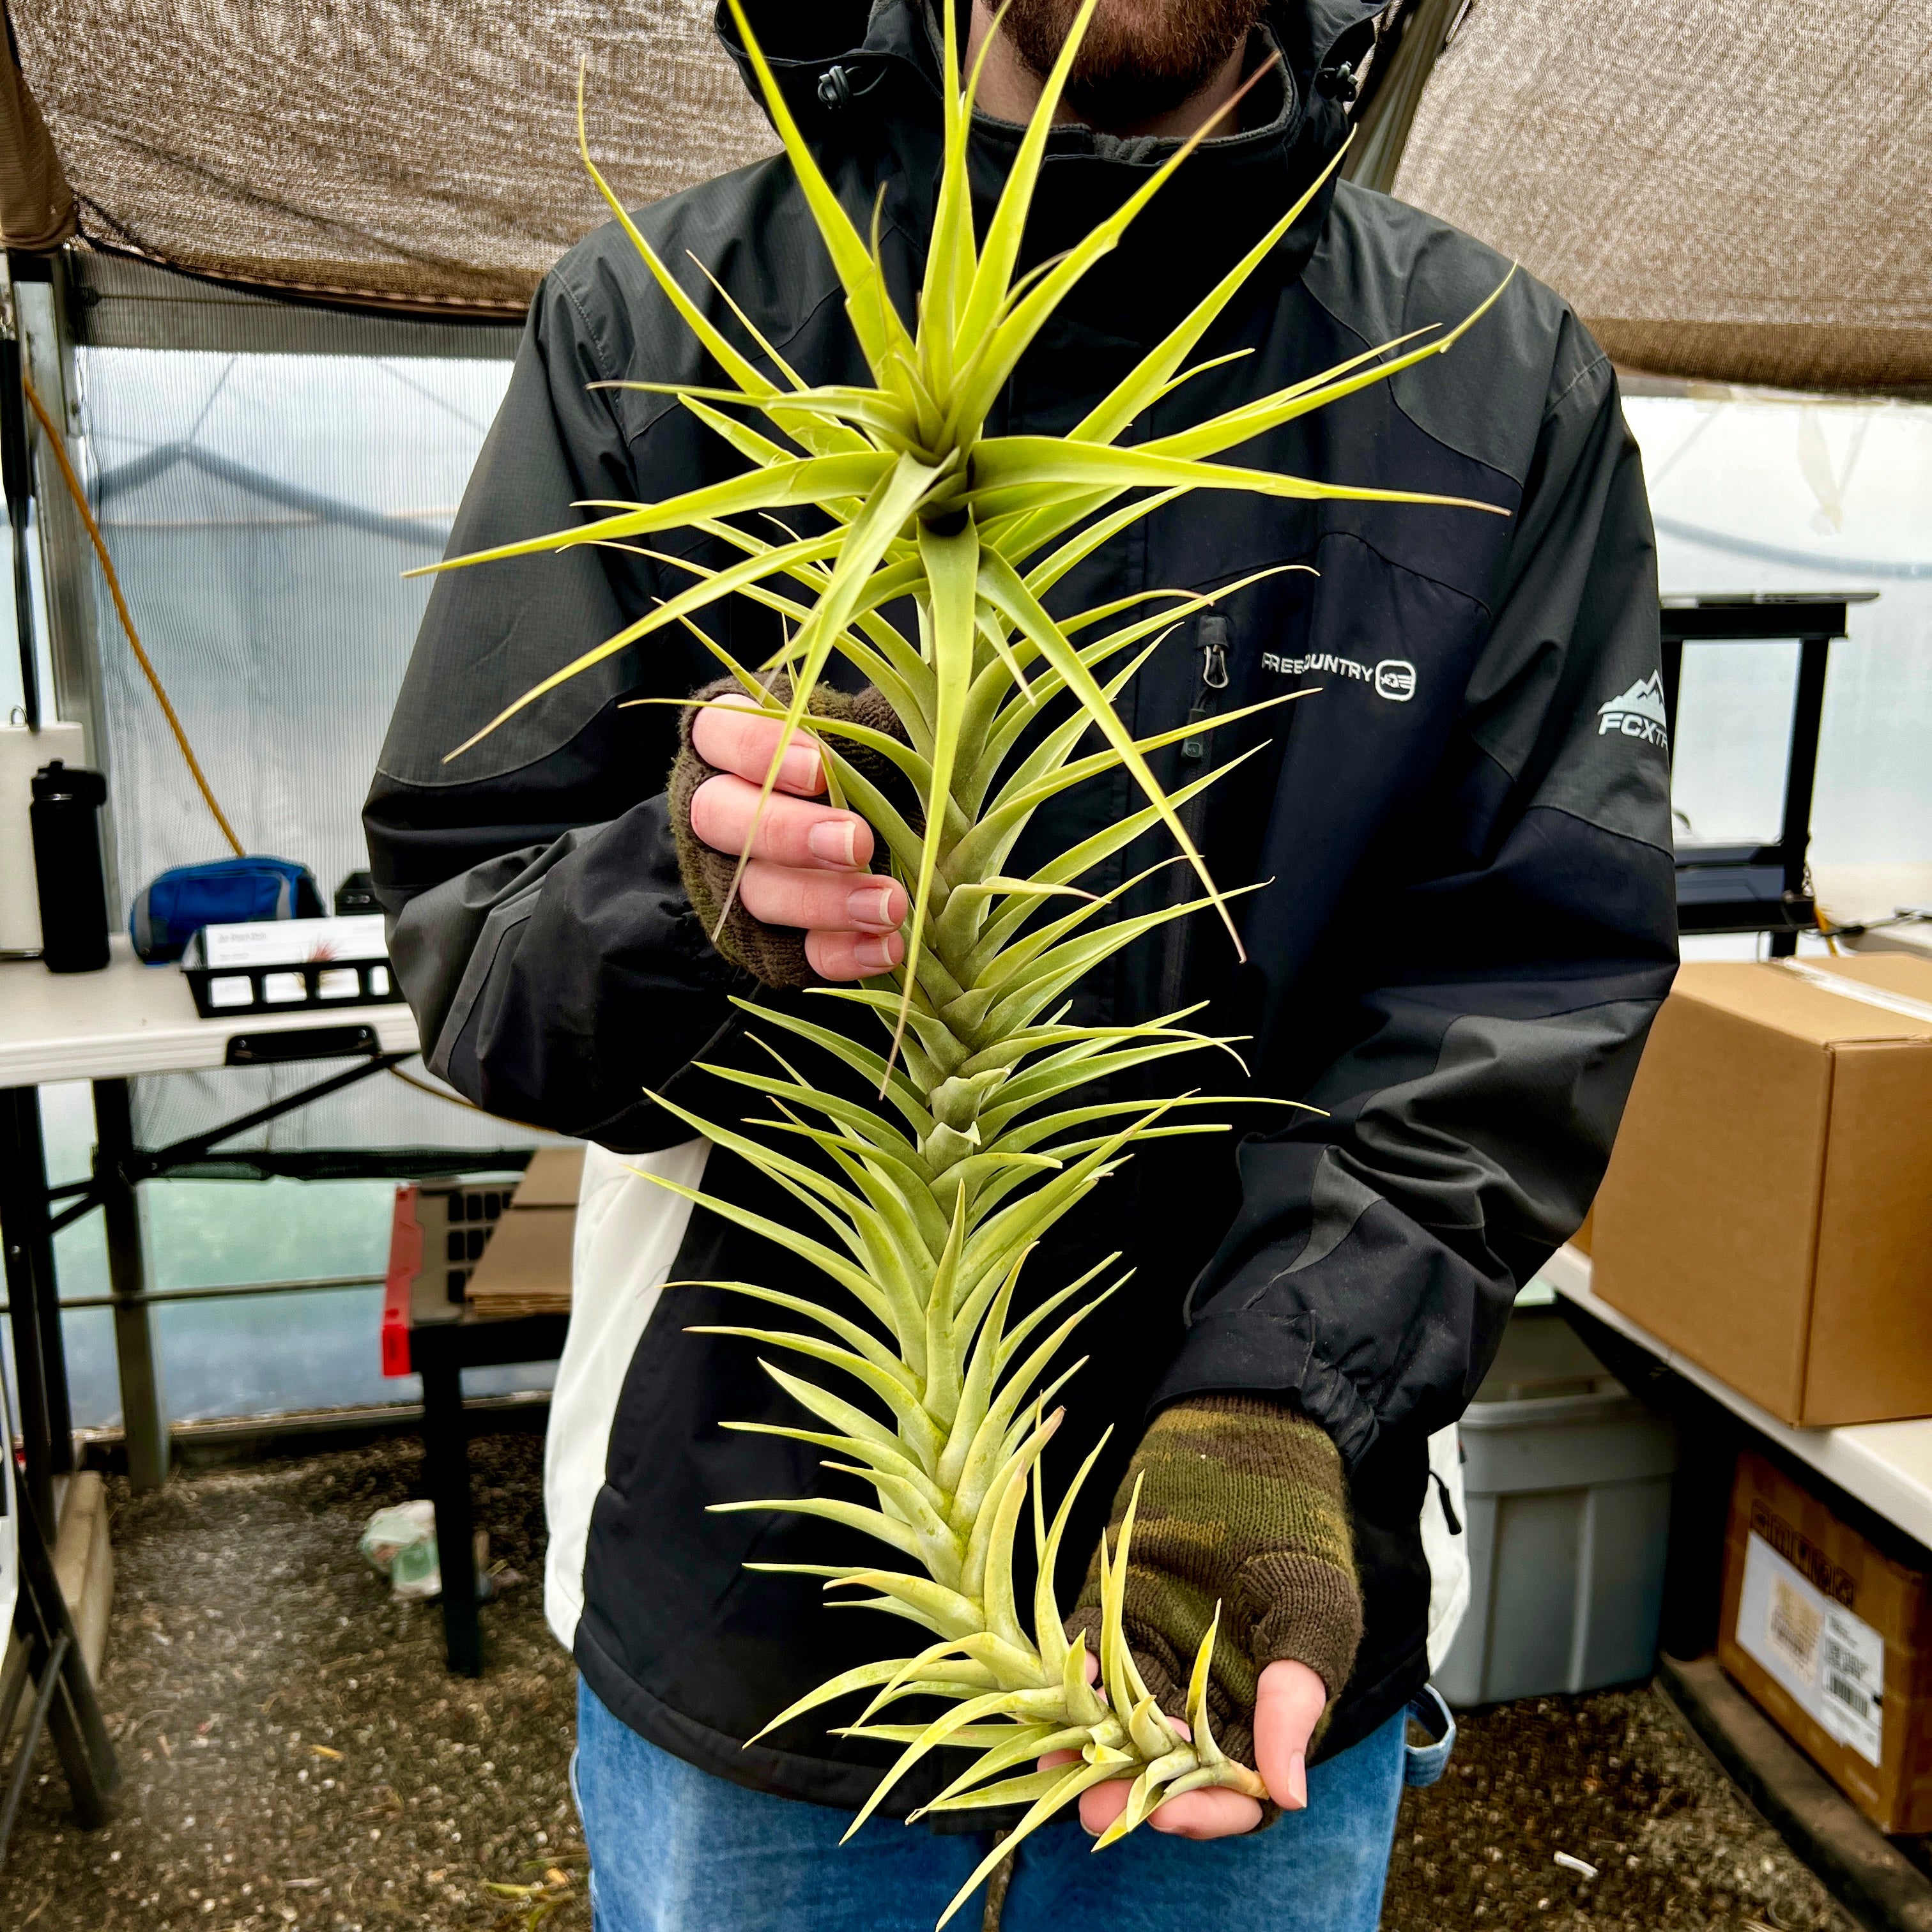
405	1254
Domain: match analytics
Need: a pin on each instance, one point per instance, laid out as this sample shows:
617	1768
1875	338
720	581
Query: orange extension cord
141	658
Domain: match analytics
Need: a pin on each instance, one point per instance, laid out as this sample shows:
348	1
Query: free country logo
1393	678
1638	713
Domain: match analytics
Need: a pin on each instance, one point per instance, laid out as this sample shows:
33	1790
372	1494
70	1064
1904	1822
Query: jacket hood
857	75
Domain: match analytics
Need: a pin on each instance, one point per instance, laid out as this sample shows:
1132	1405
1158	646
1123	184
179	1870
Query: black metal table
1758	888
439	1352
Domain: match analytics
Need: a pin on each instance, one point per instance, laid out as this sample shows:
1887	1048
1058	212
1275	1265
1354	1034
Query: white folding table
131	1019
1885	1466
106	1028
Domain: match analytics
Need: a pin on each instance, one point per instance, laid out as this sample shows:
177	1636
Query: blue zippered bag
226	892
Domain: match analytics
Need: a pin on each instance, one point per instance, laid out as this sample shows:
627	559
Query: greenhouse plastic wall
1777	493
261	508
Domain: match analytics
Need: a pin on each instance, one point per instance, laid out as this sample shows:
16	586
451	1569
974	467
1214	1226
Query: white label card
296	942
1831	1662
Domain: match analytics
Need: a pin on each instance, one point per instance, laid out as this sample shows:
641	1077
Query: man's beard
1140	59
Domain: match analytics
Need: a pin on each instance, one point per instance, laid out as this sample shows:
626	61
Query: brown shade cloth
1732	191
421	153
1729	190
36	204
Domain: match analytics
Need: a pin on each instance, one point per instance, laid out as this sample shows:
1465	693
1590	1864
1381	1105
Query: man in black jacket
1469	924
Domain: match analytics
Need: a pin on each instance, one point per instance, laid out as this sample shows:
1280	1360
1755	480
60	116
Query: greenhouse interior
515	514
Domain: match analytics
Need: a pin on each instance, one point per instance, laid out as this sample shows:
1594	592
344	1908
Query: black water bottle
67	868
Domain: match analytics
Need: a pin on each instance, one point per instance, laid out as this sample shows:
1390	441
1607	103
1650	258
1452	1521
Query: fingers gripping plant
931	1201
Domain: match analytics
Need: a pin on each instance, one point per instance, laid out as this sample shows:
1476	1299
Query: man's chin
1142	59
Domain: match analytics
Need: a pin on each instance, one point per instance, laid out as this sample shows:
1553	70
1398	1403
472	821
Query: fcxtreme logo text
1638	713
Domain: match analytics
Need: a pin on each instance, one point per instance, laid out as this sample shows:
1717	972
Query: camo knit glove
1242	1503
774	954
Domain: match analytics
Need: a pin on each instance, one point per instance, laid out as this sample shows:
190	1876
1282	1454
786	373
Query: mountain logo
1638	713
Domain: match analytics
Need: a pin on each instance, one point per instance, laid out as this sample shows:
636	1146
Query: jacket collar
860	77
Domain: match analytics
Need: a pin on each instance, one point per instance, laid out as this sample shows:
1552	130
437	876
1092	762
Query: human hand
1237	1499
1288	1702
808	864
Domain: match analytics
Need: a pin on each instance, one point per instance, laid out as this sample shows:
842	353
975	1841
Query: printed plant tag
294	942
1831	1662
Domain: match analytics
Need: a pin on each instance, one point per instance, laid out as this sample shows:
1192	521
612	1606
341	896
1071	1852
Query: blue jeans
675	1849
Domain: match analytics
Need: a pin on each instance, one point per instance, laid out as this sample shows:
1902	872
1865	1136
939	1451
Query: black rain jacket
1469	920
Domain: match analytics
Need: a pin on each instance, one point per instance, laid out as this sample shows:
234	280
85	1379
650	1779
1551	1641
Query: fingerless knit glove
774	954
1244	1504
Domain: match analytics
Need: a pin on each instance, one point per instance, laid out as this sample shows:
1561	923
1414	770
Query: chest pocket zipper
1213	682
1196	756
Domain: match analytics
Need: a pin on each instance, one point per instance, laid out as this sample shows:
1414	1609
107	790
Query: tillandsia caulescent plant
931	1198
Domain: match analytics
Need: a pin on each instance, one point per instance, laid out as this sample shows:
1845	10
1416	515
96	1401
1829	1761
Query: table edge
1853	1456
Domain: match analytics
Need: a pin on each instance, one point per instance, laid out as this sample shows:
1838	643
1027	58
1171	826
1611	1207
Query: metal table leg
439	1352
1801	775
65	1703
144	1413
39	1353
446	1461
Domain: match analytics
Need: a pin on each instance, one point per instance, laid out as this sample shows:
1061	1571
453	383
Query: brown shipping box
1834	1640
525	1268
1767	1210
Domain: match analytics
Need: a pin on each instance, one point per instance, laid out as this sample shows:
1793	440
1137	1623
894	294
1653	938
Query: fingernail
873	952
872	905
1297	1783
834	840
799	771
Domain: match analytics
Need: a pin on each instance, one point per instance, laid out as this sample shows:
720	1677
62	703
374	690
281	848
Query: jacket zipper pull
1214	678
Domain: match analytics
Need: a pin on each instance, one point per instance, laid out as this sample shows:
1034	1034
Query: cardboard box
1767	1210
1834	1639
552	1179
526	1268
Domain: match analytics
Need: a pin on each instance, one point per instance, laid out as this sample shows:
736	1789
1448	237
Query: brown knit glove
1242	1503
774	954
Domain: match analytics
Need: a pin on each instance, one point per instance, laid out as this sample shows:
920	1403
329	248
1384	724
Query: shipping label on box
1831	1661
1833	1637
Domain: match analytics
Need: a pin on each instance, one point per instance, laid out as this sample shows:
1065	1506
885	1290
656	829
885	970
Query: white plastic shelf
1886	1465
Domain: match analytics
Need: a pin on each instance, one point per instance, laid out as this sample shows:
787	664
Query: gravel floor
296	1755
1614	1781
293	1752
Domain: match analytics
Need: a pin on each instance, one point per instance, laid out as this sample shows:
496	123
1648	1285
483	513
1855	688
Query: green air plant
931	1199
